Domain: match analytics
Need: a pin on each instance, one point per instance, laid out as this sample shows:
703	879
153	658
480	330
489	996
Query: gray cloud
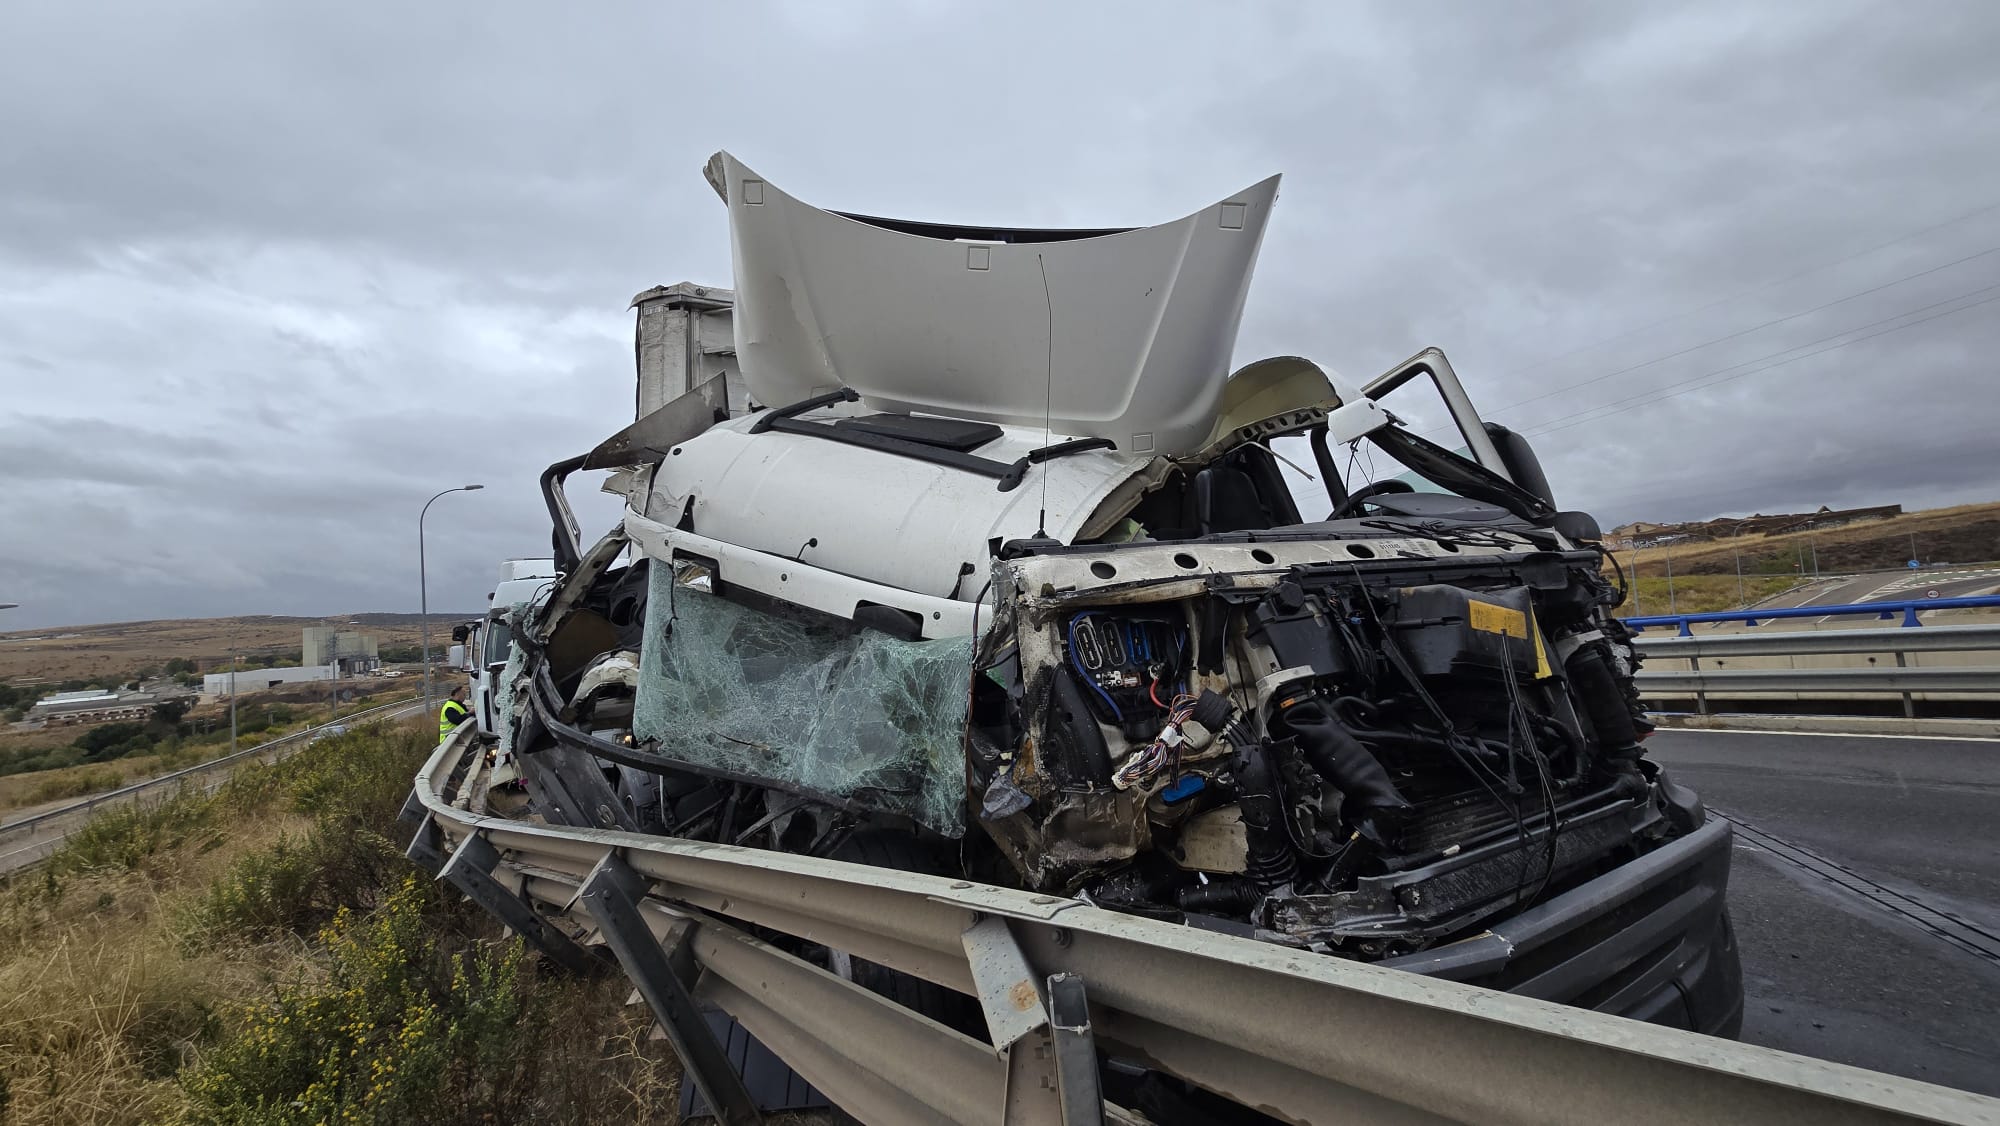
272	275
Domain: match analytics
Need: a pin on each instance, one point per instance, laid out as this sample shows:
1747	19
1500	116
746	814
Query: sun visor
1122	334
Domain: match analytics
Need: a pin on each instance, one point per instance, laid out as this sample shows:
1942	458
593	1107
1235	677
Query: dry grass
142	969
119	648
1698	594
100	1004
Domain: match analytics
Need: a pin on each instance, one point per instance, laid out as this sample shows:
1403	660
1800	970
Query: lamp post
233	647
423	586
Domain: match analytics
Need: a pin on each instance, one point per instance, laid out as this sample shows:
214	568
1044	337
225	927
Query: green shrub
400	1030
126	836
295	886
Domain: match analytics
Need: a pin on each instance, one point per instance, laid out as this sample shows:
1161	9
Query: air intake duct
1369	800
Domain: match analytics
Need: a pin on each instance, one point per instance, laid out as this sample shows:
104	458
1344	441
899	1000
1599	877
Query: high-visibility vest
450	716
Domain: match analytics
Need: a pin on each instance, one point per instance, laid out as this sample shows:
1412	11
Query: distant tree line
166	730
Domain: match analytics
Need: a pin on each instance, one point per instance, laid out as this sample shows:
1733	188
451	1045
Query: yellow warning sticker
1488	618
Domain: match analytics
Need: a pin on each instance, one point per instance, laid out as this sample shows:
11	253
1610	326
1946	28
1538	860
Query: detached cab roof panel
1120	334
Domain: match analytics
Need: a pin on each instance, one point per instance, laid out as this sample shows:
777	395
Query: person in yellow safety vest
453	713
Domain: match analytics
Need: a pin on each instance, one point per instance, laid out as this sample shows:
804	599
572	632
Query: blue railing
1909	608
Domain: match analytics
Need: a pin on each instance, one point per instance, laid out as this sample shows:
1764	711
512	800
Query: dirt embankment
1965	534
120	648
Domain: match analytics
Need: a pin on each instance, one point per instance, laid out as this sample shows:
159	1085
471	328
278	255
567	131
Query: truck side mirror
1520	460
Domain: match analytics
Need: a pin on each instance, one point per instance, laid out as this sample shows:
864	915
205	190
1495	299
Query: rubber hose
1272	861
1220	897
1378	807
1603	701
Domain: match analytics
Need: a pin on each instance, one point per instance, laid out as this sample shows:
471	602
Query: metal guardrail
1902	679
1908	607
1302	1037
27	826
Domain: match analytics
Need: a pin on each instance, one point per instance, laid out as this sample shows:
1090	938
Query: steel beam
1931	639
470	869
1919	679
612	894
1300	1036
1076	1052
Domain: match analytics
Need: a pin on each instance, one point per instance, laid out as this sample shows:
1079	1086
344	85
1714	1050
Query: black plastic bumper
1650	941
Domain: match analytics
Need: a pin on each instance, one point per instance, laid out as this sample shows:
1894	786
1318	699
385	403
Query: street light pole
233	647
423	586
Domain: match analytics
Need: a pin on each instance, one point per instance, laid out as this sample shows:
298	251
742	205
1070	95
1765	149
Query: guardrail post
1700	693
470	869
612	893
1076	1052
1910	616
1909	700
1684	630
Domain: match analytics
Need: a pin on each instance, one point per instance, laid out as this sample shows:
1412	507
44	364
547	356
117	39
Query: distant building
256	680
93	705
354	652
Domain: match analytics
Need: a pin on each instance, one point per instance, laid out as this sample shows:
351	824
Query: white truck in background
489	642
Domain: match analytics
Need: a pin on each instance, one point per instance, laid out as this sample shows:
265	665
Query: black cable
1624	585
1402	666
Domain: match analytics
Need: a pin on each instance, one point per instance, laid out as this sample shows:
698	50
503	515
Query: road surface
1866	894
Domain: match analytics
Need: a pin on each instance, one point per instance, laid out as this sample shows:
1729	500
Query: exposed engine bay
1360	757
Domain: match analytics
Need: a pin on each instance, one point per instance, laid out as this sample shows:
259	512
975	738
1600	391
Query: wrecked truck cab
1023	583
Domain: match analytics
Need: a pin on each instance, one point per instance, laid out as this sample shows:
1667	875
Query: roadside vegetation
61	763
1650	594
264	954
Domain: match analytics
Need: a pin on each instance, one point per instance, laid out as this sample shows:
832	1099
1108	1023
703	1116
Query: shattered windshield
827	708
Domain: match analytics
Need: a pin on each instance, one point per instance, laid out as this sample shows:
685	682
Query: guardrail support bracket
1007	993
426	850
611	894
413	812
470	869
1076	1052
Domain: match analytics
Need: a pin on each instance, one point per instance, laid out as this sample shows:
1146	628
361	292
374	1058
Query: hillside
1963	534
265	954
120	648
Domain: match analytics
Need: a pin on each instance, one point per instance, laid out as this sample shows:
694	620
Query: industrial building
254	680
92	705
354	652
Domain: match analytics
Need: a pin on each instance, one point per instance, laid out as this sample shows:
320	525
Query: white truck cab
521	583
970	539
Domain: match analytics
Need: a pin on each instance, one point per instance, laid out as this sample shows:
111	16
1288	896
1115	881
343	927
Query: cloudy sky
271	274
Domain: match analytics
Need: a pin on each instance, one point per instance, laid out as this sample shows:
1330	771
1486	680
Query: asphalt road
1892	586
1866	894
